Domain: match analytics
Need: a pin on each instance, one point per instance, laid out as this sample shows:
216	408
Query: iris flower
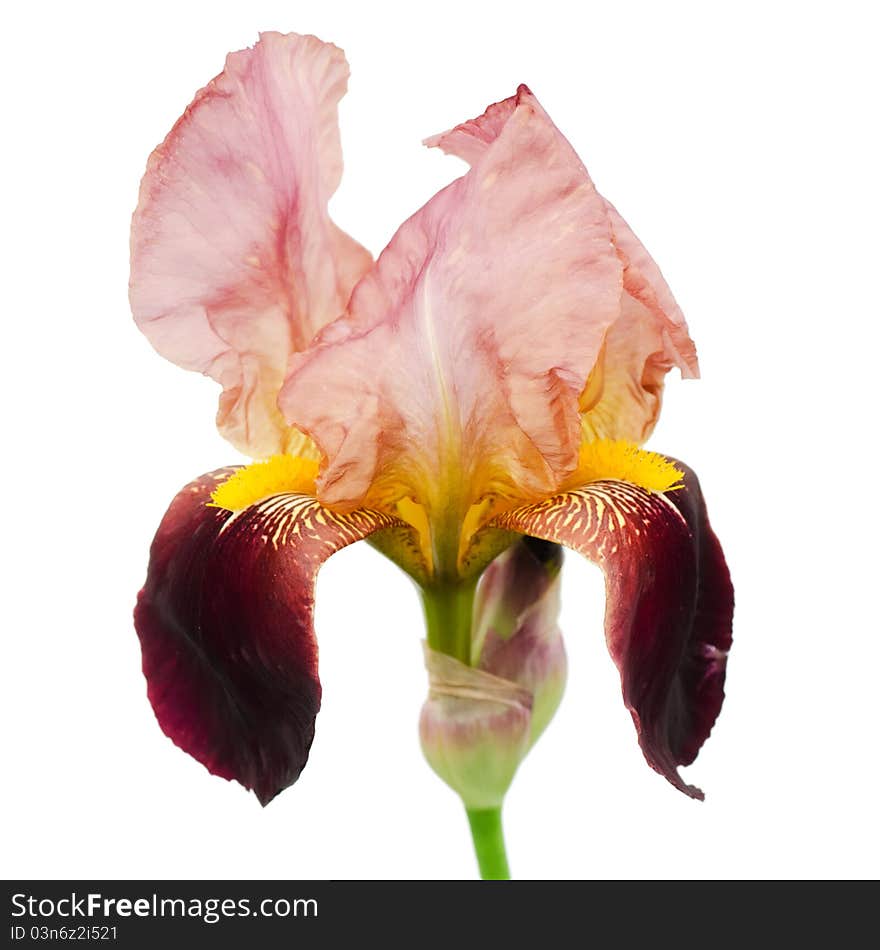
470	401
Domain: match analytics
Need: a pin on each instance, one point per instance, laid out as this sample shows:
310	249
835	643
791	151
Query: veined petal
225	621
669	604
643	282
648	339
645	342
457	371
235	263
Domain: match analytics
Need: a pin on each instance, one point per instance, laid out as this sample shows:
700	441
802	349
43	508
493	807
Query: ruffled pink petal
645	342
471	139
235	263
630	376
669	608
649	339
458	368
650	336
225	621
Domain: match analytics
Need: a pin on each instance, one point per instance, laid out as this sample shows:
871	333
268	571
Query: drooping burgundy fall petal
669	605
225	621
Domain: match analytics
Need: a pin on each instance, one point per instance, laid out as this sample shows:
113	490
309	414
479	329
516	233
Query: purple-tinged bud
480	721
518	638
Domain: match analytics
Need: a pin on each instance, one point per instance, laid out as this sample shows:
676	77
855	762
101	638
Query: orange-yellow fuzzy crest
274	476
626	462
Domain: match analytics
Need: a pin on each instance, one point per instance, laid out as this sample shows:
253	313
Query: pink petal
235	263
643	282
649	338
225	621
631	371
458	368
471	139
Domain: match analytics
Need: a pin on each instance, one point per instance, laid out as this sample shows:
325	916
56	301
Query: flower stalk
449	617
488	835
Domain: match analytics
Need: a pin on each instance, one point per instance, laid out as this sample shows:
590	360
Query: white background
740	143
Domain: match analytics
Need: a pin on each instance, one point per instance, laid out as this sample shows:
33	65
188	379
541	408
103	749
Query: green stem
488	838
449	615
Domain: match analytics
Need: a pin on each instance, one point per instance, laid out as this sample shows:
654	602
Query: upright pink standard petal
644	343
458	369
462	366
648	339
235	263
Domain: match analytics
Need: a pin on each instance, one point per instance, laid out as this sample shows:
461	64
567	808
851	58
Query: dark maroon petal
702	671
225	621
669	604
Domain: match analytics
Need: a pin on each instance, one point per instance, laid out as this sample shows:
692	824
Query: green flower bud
480	721
475	729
